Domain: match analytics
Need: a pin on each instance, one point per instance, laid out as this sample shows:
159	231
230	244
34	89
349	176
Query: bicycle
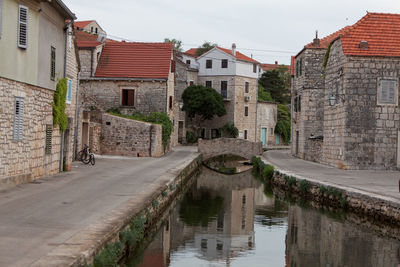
85	156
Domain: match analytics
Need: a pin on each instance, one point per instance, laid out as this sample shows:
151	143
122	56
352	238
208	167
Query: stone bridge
235	146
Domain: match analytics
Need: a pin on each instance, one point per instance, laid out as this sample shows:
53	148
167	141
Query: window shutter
49	134
53	64
388	91
22	27
69	92
131	97
18	119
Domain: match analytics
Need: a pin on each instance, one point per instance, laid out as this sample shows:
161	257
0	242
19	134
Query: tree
202	101
264	95
177	43
205	47
283	123
277	84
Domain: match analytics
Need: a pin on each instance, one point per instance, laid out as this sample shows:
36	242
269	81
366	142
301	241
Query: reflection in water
230	221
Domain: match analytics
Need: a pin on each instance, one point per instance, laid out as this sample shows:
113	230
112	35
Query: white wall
216	56
193	62
246	69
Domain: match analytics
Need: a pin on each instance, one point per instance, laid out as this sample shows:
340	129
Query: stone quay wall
126	137
235	146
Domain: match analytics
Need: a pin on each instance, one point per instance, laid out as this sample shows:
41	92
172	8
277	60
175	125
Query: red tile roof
84	39
135	60
380	30
239	56
265	66
324	42
83	23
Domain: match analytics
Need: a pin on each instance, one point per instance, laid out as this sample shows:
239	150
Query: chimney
234	49
364	45
316	42
276	62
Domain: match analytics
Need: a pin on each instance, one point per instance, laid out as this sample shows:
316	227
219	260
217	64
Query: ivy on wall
59	116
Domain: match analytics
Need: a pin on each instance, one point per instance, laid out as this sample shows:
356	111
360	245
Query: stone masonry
126	137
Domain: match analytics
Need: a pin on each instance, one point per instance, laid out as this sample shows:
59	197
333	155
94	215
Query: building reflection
318	240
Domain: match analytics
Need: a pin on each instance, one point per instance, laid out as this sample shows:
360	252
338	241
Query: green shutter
53	64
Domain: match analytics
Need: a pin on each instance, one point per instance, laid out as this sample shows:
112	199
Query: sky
268	30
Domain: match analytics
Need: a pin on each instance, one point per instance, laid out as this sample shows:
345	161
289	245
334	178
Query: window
299	67
224	63
191	83
245	134
246	111
128	97
272	132
53	63
170	102
69	92
255	68
172	66
18	119
208	64
224	89
22	27
387	91
91	29
96	30
49	133
188	61
98	56
297	103
209	84
246	87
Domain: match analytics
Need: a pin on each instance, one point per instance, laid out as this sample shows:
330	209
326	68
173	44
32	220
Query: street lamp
180	105
332	100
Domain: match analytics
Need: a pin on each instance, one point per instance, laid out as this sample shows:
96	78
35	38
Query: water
230	221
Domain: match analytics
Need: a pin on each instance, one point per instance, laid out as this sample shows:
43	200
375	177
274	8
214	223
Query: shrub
59	116
291	181
268	172
191	137
230	130
304	186
108	257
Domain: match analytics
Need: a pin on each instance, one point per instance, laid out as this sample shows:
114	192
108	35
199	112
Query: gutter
125	79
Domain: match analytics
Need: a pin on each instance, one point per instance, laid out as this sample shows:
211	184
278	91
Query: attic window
255	68
188	61
209	64
364	45
224	63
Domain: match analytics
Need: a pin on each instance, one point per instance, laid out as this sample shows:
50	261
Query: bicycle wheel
86	158
92	159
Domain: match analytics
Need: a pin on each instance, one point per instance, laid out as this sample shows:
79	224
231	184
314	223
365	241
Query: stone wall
266	118
126	137
26	160
308	121
235	146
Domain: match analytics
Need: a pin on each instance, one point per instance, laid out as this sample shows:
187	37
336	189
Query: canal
233	220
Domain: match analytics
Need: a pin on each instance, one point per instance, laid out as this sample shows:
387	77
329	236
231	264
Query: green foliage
191	137
283	124
230	130
154	203
59	116
322	189
202	101
304	186
177	43
108	257
264	95
114	110
200	210
155	117
205	47
164	193
291	181
268	172
277	84
326	57
171	187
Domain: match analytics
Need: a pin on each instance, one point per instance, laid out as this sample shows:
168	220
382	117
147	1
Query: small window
246	111
188	61
96	30
245	134
224	63
49	134
387	91
18	119
209	84
255	68
191	83
246	87
224	89
209	64
53	64
170	102
69	92
128	97
91	29
22	27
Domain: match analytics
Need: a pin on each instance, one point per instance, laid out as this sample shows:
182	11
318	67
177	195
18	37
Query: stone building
133	77
90	26
234	75
36	49
266	121
358	122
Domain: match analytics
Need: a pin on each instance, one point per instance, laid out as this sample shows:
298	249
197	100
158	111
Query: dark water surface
230	221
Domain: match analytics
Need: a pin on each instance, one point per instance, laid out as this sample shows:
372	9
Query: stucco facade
266	121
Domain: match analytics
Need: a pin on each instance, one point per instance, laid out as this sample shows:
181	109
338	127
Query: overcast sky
272	25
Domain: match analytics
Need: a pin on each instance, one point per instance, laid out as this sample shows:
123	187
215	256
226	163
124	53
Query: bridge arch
233	146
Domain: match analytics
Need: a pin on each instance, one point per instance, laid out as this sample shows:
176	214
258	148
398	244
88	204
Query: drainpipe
151	137
77	110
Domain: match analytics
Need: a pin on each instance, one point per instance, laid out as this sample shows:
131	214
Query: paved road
382	183
37	217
